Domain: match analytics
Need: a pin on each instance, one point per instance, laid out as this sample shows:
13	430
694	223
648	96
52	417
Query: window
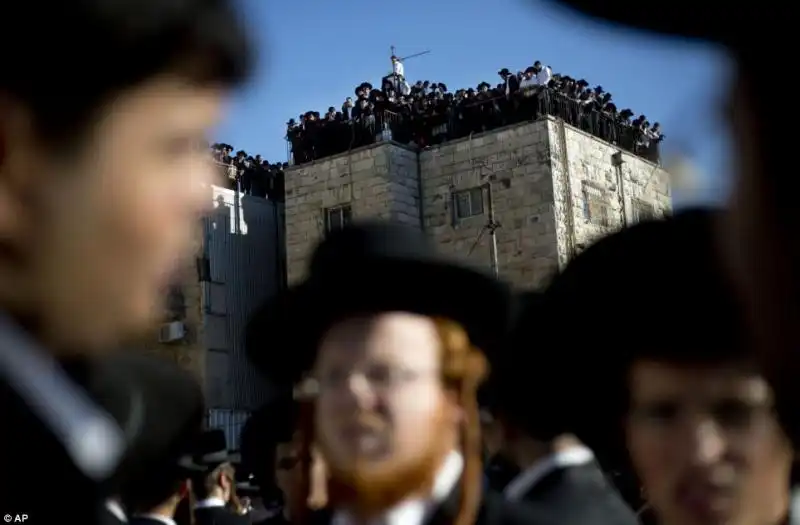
595	206
338	217
468	203
642	210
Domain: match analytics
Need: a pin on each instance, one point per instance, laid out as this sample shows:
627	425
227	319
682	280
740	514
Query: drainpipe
492	227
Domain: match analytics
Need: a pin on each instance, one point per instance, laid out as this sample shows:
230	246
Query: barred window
337	217
468	203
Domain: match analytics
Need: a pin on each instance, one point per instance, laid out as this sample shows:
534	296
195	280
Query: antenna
393	52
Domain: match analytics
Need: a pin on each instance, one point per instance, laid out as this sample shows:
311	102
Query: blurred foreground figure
556	472
760	235
272	445
687	416
101	182
154	478
394	365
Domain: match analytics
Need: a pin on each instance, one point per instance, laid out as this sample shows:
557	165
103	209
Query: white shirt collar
415	511
157	517
90	436
116	510
528	478
209	502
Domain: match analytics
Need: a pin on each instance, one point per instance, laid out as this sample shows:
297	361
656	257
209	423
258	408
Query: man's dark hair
93	50
145	495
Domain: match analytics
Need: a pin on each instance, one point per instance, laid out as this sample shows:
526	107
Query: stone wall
553	190
604	188
515	162
377	181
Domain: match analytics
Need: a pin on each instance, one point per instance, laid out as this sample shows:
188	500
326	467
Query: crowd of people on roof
250	174
426	113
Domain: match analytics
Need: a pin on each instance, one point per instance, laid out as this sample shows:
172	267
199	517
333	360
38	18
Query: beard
367	489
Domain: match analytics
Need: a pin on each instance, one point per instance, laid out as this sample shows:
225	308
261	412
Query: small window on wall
337	217
643	210
595	207
468	203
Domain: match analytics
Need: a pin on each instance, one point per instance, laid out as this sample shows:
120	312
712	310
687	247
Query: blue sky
314	52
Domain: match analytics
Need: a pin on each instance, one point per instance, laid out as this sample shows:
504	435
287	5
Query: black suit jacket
494	510
578	495
34	450
218	516
316	517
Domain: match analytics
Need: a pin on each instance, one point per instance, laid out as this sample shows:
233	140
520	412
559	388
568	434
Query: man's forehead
171	103
382	333
654	379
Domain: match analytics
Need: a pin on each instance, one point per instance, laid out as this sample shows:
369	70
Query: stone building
545	189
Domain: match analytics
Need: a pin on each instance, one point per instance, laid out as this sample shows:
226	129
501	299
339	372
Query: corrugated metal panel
229	421
245	247
218	378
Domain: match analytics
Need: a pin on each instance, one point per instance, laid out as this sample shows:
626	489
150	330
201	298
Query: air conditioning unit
172	332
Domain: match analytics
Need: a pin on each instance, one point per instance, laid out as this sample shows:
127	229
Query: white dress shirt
91	438
416	511
528	478
528	83
116	510
544	76
209	502
398	69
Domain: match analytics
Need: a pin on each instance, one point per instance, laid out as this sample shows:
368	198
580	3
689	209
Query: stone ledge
349	153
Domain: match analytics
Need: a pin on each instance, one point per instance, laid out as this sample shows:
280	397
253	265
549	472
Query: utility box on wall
239	262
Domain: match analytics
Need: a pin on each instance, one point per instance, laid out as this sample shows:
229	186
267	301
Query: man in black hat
158	492
272	447
759	237
686	409
88	242
555	470
160	406
215	488
394	367
510	80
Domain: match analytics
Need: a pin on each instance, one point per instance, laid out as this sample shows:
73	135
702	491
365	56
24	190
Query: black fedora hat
513	389
211	448
373	267
159	406
663	281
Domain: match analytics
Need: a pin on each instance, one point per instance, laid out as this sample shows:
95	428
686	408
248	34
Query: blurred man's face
384	419
706	445
288	474
92	236
381	396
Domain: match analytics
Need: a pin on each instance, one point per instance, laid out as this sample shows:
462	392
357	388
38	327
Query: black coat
35	448
579	494
494	510
218	516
